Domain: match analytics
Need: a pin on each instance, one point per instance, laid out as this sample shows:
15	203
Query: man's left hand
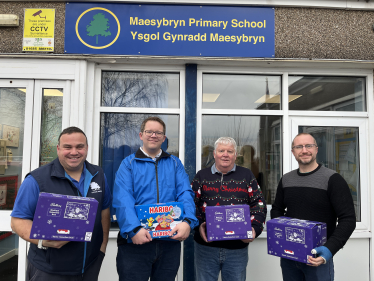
183	231
253	235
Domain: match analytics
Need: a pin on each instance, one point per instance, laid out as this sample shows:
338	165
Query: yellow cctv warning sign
39	30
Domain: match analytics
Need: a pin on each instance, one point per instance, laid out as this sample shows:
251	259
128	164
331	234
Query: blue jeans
209	261
158	260
297	271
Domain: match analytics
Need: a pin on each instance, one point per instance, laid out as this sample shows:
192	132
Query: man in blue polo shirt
69	174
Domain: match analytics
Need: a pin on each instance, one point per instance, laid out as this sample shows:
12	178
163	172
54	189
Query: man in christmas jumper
150	176
225	184
315	193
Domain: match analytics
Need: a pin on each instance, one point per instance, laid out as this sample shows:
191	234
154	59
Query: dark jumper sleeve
342	202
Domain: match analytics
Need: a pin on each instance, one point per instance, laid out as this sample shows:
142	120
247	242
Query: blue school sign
169	30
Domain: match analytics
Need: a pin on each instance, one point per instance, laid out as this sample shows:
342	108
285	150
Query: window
12	116
241	91
52	105
326	93
239	106
126	99
251	108
258	141
338	149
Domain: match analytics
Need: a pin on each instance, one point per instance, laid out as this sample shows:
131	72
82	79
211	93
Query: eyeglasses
149	133
307	146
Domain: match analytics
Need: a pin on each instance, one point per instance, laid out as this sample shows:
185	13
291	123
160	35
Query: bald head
304	134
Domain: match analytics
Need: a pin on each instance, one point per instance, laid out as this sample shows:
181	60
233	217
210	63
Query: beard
306	161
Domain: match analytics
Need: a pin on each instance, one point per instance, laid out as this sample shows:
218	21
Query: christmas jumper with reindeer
237	187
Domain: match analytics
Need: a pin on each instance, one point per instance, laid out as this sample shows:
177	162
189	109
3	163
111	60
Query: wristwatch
40	245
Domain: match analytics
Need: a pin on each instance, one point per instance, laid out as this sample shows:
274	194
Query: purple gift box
159	219
294	239
64	217
230	222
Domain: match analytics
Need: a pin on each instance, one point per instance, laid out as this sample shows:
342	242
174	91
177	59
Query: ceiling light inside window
210	97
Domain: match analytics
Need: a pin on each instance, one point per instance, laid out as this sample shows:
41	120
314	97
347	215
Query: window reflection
133	89
326	93
338	149
259	146
52	103
12	120
241	91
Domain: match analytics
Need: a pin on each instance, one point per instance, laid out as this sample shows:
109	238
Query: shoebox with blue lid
64	217
294	239
228	222
159	219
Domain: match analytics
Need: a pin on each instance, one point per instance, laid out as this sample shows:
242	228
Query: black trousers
91	274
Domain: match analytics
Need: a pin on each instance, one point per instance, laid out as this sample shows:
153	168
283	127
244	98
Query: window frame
362	125
363	118
142	110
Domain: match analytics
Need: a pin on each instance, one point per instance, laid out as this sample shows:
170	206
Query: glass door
16	107
31	119
343	148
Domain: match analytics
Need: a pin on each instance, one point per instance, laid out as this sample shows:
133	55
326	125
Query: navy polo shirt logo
95	187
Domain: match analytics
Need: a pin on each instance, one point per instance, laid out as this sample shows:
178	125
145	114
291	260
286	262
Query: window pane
134	89
241	91
326	93
51	124
259	146
338	150
12	120
120	138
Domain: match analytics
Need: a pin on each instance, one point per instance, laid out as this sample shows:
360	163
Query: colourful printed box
63	217
159	219
230	222
294	239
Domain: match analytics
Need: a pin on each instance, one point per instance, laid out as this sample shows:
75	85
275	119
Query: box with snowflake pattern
159	219
229	222
64	217
294	239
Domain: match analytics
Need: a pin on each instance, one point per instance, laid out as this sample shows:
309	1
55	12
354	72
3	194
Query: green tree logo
98	26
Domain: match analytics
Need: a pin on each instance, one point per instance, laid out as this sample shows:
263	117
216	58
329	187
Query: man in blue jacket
150	176
69	174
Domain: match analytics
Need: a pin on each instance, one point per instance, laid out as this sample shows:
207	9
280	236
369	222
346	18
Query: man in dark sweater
225	184
315	193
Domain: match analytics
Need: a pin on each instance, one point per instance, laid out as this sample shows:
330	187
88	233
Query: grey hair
225	141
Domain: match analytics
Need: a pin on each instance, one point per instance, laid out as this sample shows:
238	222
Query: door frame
31	142
362	124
